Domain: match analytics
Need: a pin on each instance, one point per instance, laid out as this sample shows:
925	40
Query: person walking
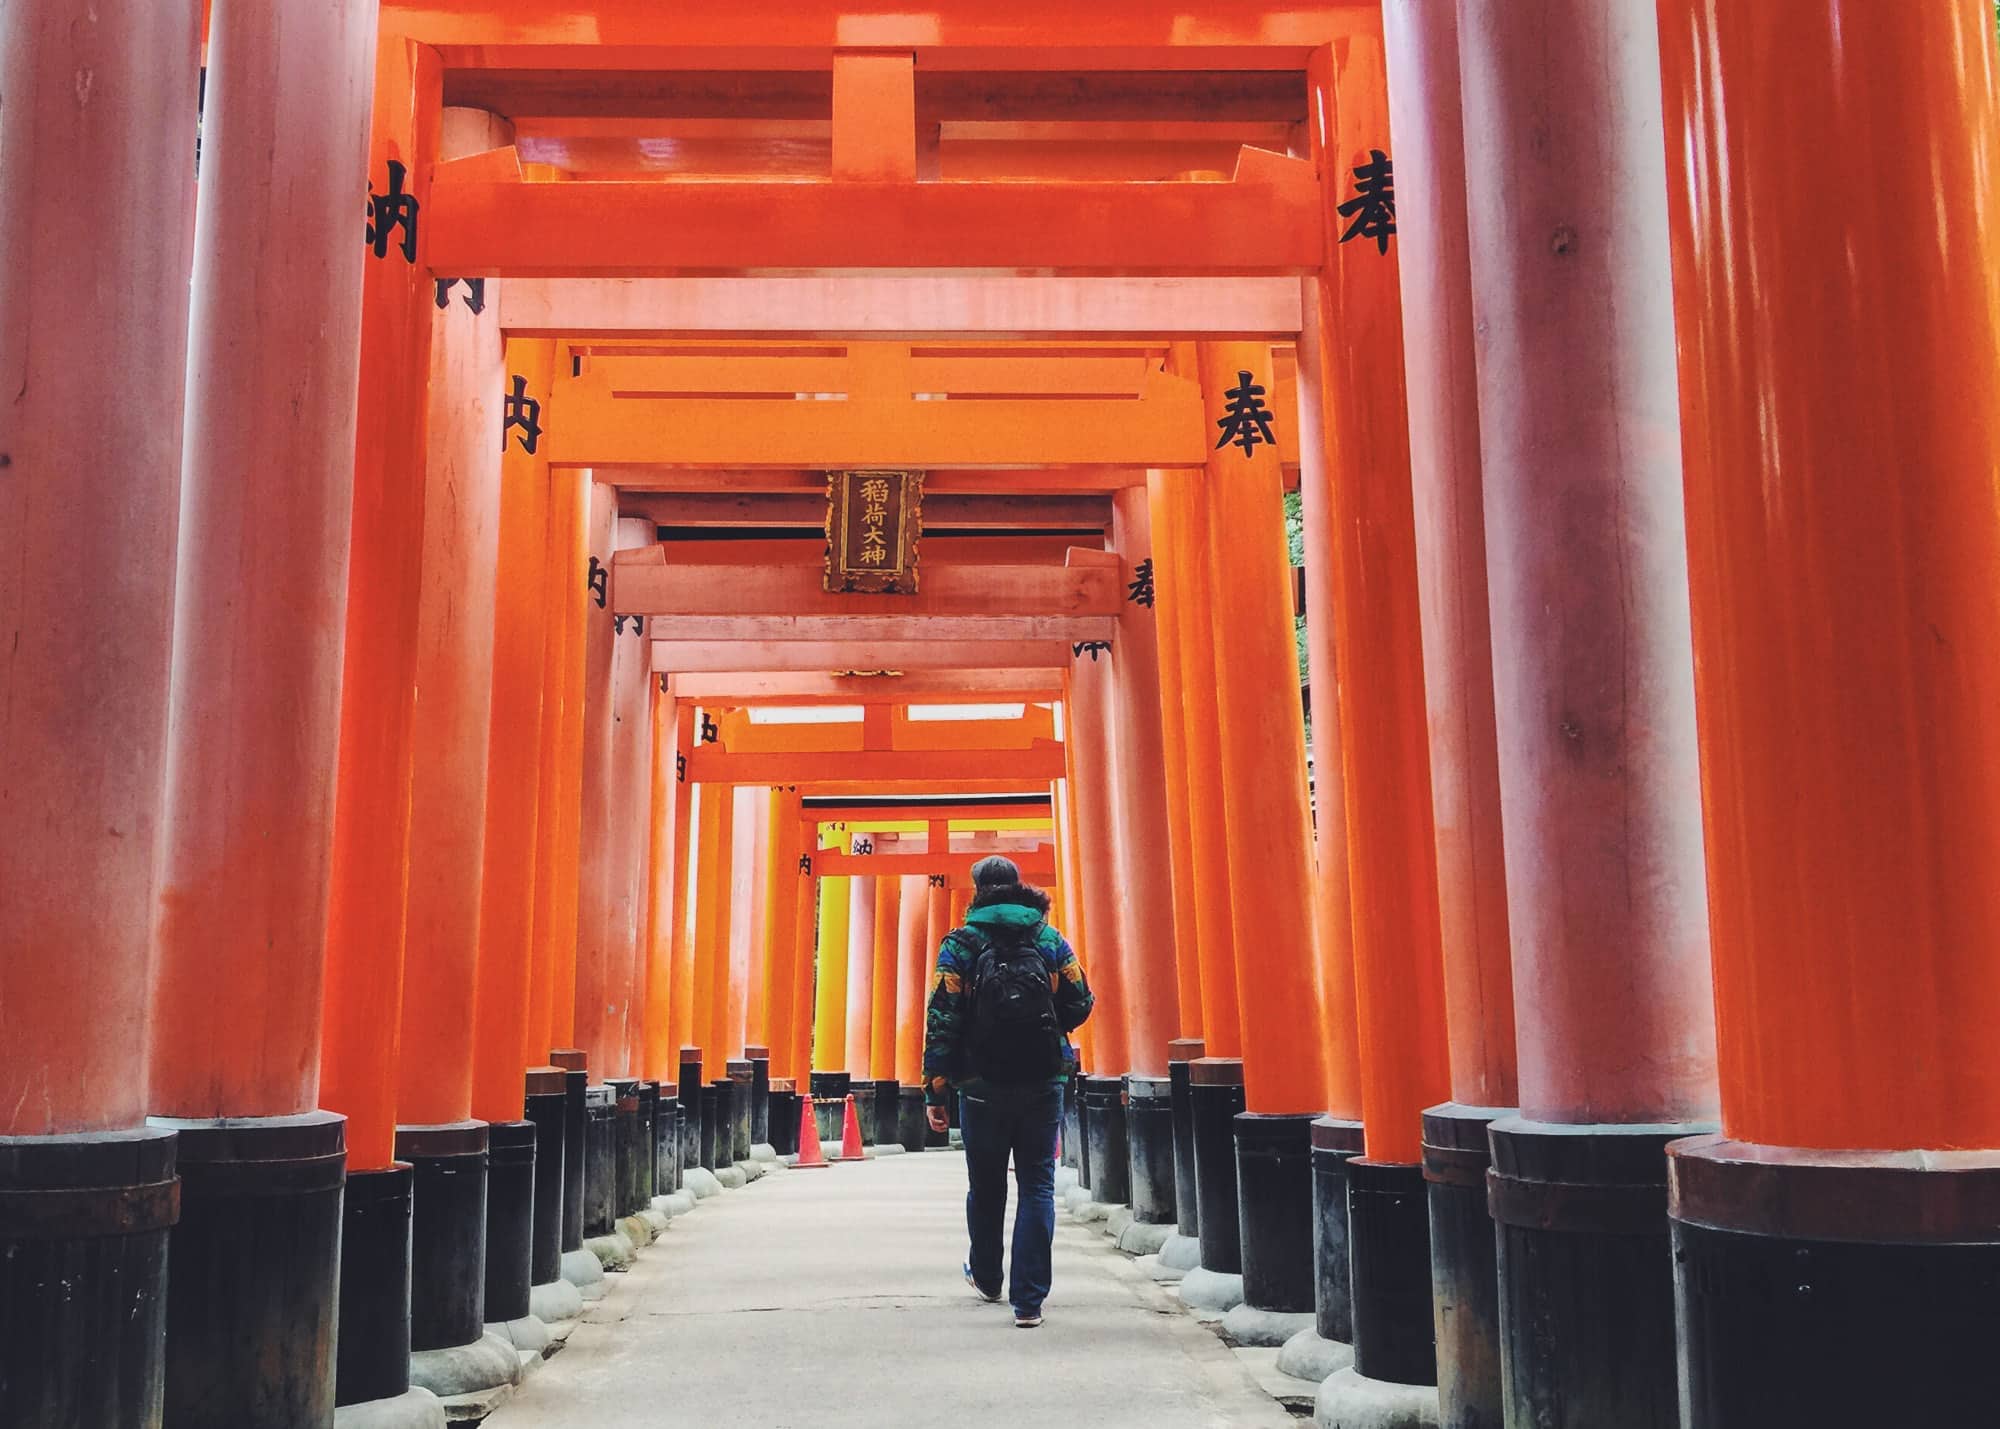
1008	992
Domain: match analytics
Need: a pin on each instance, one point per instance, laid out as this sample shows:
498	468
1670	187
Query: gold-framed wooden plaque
873	522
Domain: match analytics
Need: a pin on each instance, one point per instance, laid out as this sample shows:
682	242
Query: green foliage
1295	550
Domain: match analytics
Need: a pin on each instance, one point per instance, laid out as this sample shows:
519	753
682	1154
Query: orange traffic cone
850	1135
810	1152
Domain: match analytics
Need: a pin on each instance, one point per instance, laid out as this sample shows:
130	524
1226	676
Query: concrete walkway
831	1298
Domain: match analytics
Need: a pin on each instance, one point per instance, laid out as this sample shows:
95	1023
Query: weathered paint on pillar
1421	48
92	462
454	705
1391	850
369	868
882	1014
1169	606
580	607
501	1048
860	1005
1840	355
1094	787
1587	562
1263	738
1145	868
268	497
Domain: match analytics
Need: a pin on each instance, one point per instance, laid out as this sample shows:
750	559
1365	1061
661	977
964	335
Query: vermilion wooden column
1094	789
269	496
630	810
756	901
1839	331
784	1005
913	967
746	841
1185	522
805	941
1284	1015
830	998
686	880
471	1195
1145	865
1594	697
92	463
665	865
563	576
715	814
860	1006
1169	609
882	987
1363	464
579	606
1421	43
597	1023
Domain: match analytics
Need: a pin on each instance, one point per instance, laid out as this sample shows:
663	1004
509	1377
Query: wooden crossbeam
874	629
836	307
675	654
1267	220
591	425
967	771
807	688
1038	862
791	510
643	582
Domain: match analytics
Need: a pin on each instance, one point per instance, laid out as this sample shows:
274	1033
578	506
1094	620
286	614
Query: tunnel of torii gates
404	873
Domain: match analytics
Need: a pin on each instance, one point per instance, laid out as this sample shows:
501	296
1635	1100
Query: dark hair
1020	895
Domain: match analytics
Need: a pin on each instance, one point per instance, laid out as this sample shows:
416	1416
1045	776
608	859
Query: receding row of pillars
1701	415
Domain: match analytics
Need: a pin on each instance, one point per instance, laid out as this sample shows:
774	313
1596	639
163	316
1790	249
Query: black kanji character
598	581
1140	589
521	410
475	293
709	733
1092	648
390	211
1373	207
1246	421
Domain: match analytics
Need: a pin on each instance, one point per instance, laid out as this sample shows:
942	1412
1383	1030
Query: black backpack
1012	1037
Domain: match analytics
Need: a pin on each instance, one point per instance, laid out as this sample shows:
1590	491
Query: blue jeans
1020	1121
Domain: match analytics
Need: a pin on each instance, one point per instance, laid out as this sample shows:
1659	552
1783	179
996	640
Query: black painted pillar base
1072	1134
1216	1085
447	1233
759	1059
576	1085
912	1123
1274	1210
691	1095
548	1109
1835	1288
510	1219
1465	1289
1104	1133
84	1222
1079	1087
373	1361
1389	1251
742	1082
784	1118
254	1272
1334	1143
667	1139
1149	1149
626	1148
1180	1052
829	1092
715	1136
1585	1273
888	1098
649	1146
600	1162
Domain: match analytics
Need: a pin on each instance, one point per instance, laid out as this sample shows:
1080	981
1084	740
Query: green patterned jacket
944	1022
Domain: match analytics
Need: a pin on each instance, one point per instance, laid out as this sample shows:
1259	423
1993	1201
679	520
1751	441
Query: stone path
833	1298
